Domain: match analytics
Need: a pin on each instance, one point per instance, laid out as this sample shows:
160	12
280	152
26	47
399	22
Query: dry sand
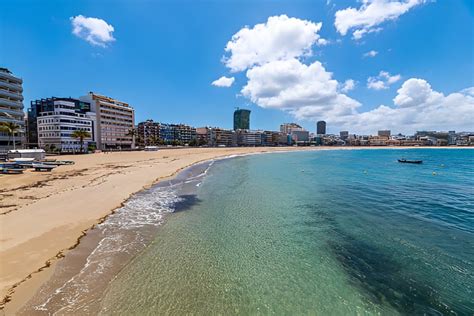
42	215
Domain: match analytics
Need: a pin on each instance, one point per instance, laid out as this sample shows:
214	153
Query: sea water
337	232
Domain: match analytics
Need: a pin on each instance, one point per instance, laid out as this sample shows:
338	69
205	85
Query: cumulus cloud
280	38
348	85
382	81
223	82
418	107
303	90
277	78
371	53
95	31
370	15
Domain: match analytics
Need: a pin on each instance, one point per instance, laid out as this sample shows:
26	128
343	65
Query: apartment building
216	137
114	118
181	133
250	138
148	133
11	107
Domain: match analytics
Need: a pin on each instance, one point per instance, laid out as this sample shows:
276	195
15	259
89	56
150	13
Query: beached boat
410	161
43	167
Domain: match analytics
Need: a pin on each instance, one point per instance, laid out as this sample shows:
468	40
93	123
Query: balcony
12	95
5	75
18	112
11	86
12	104
20	122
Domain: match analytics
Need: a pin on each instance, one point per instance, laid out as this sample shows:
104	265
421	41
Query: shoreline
18	294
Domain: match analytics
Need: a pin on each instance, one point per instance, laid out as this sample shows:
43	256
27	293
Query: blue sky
166	54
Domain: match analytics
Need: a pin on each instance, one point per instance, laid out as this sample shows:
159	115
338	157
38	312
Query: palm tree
11	128
132	132
152	140
81	134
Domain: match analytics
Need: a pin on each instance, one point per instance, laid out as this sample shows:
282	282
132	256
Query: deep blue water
324	232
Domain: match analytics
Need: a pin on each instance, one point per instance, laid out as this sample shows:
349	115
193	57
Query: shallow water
326	232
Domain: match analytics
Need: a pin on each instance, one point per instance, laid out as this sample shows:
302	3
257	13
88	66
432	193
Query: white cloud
94	30
348	85
382	81
371	53
418	107
303	90
223	82
309	92
415	92
371	14
280	38
278	79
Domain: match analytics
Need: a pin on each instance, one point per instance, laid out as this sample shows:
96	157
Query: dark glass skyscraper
321	128
241	119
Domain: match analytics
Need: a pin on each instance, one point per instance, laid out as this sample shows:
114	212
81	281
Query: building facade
250	138
115	120
321	128
241	119
384	133
11	108
53	104
148	133
185	133
56	126
300	136
287	128
216	137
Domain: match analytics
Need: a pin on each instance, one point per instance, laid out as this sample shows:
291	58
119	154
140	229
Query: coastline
89	185
34	204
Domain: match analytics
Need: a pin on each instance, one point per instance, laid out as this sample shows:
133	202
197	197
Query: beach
43	215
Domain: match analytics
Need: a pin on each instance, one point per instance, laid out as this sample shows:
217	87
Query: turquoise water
326	232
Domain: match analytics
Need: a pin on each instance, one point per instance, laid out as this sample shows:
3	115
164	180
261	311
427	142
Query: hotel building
114	121
57	120
11	107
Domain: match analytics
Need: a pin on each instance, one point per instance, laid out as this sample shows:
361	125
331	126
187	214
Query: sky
360	65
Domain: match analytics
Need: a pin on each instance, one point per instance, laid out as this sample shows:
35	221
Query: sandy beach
43	215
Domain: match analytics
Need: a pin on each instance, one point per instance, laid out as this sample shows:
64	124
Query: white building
55	127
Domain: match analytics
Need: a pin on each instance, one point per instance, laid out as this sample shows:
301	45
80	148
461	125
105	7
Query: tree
11	128
152	140
193	142
132	132
81	134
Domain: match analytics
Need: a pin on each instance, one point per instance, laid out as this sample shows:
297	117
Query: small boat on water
410	161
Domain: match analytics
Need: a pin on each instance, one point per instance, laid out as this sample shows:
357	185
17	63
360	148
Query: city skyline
97	47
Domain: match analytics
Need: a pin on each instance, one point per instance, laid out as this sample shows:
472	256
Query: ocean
330	232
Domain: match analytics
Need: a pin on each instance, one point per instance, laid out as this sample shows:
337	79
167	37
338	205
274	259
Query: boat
410	161
42	167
